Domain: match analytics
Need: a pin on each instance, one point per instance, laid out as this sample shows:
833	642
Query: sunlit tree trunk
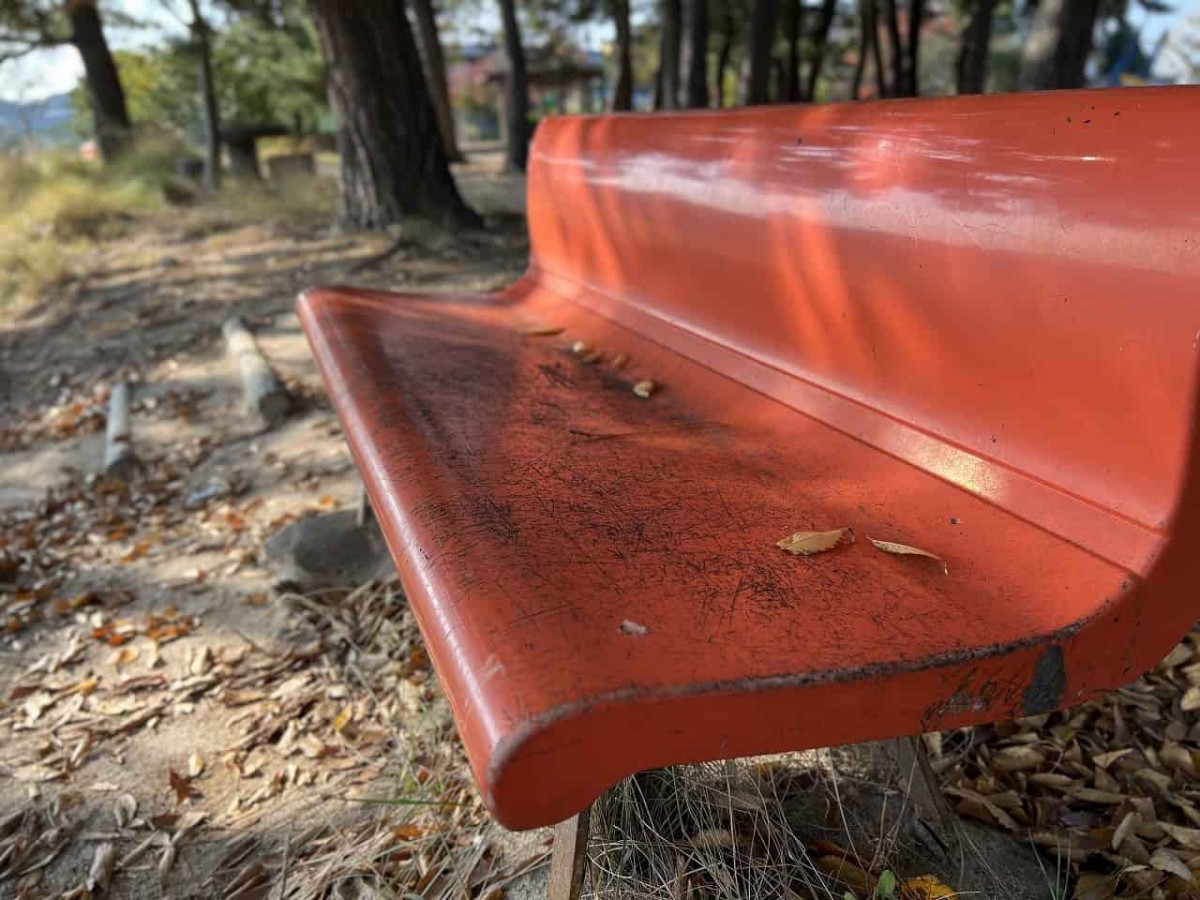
695	53
208	96
791	23
435	73
820	41
393	165
972	65
517	106
105	94
1057	49
670	42
622	96
759	39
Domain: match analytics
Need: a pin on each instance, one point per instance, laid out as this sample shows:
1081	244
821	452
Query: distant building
561	80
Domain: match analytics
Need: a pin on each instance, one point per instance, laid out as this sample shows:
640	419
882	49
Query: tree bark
792	23
820	42
760	37
972	65
105	94
622	96
1058	47
896	50
435	73
695	63
670	42
916	19
208	97
869	45
724	52
881	85
393	165
516	108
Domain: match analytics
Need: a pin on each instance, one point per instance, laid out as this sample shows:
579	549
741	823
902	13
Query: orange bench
965	325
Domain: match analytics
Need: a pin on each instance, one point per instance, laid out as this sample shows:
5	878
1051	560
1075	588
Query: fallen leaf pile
323	713
1111	785
77	410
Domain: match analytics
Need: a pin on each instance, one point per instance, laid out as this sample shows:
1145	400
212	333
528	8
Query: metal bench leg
569	860
921	784
365	513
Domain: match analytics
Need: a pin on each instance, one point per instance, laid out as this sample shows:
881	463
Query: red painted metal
967	325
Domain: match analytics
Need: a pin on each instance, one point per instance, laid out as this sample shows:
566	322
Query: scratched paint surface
541	505
596	574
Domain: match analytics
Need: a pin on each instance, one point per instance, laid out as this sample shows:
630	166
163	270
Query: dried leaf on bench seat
907	550
543	330
806	543
633	628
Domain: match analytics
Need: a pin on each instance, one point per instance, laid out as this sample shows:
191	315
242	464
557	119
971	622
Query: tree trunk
1058	47
695	64
868	45
972	64
208	97
517	105
668	55
820	41
792	22
881	85
916	19
393	165
728	39
435	73
761	36
105	94
622	97
896	51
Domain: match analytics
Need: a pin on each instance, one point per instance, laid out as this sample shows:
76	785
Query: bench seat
596	573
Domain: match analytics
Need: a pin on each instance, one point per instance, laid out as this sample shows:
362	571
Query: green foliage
160	91
264	73
268	73
886	889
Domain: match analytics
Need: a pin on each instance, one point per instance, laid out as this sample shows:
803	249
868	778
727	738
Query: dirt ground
155	691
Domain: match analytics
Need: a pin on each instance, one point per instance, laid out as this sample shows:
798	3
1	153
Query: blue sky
55	71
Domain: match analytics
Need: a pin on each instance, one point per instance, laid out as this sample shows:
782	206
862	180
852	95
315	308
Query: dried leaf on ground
101	871
182	786
925	887
195	764
1165	861
124	809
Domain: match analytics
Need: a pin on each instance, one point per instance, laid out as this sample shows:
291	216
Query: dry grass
719	831
56	207
59	209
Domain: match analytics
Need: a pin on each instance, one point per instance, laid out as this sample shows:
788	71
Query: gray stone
328	551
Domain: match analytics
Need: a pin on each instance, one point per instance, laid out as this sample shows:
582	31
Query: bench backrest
1002	291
